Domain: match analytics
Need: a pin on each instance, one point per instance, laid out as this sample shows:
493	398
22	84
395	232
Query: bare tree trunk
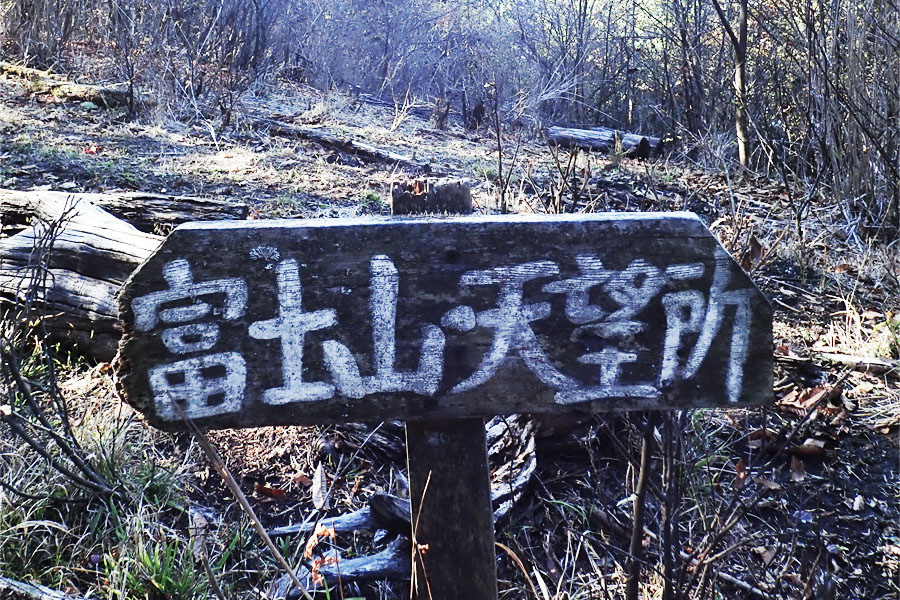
741	118
739	46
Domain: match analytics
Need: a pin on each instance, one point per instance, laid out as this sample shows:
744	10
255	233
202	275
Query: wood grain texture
93	254
565	313
451	510
147	212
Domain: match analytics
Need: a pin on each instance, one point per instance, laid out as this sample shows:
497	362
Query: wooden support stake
452	519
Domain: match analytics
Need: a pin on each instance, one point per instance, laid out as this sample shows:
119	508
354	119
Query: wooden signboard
302	322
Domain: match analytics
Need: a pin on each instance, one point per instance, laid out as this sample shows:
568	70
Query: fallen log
116	94
511	447
327	138
68	268
149	213
383	512
17	590
603	139
390	563
865	364
420	110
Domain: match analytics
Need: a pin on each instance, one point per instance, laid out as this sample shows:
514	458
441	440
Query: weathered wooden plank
452	520
290	322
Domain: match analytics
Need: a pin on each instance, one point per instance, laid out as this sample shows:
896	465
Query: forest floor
816	484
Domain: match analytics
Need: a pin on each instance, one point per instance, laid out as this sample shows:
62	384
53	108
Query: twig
738	506
97	482
640	503
223	472
733	580
519	564
415	545
28	590
12	421
865	364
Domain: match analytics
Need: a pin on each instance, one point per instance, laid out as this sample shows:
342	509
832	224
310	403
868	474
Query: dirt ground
819	482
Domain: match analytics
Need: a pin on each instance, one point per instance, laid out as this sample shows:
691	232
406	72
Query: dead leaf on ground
844	268
761	437
810	447
741	475
801	401
768	484
319	488
765	554
270	492
302	479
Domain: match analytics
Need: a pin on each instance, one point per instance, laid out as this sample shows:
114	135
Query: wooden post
452	517
449	478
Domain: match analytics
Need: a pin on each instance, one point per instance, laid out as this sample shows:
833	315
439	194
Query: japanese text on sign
204	379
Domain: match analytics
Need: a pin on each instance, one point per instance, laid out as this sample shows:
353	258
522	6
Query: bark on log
326	138
865	364
391	563
17	590
435	196
603	139
420	110
93	253
43	81
146	212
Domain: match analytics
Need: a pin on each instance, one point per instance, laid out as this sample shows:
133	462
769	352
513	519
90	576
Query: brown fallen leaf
766	555
810	447
741	475
302	479
798	471
761	437
768	484
270	492
803	399
844	268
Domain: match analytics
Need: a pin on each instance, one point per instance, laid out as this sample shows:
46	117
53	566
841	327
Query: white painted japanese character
340	361
511	323
688	312
632	290
198	387
579	309
610	361
291	326
148	311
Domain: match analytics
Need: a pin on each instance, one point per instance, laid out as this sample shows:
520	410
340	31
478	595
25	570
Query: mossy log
111	95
